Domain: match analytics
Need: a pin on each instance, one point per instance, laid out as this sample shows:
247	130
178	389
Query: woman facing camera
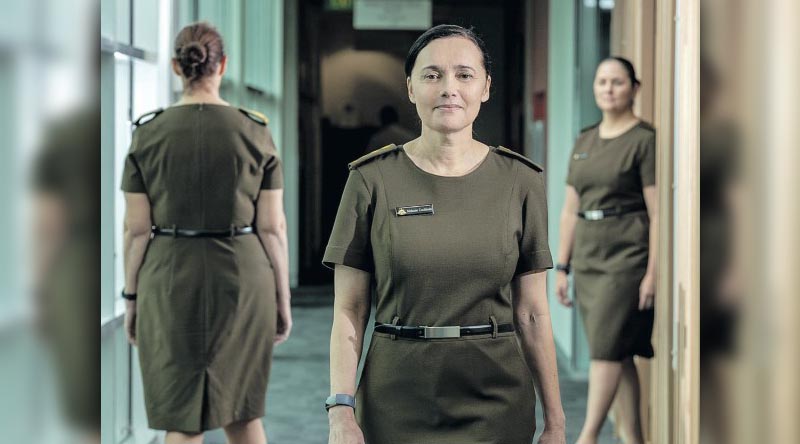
454	234
206	251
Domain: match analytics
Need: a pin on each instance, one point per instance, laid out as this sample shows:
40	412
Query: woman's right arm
271	230
566	238
350	314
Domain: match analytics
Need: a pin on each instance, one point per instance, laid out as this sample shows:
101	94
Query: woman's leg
183	438
604	377
628	404
249	431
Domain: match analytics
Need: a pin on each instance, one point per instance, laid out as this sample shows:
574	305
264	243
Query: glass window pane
263	45
122	140
223	15
115	20
145	25
593	45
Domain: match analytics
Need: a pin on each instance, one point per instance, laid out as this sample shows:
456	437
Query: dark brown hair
443	31
627	65
198	50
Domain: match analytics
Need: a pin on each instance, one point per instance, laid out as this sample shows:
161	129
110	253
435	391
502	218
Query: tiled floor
299	383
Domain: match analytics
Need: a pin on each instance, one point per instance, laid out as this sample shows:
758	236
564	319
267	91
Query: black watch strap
340	399
566	268
128	296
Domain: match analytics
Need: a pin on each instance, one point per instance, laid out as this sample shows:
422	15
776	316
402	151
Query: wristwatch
128	296
563	267
340	399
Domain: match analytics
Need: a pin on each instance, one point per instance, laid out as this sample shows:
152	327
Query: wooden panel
687	175
662	371
782	238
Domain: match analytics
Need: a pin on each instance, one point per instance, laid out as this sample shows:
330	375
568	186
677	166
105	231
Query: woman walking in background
608	237
206	251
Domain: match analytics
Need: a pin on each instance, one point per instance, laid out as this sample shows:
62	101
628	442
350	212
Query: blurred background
718	84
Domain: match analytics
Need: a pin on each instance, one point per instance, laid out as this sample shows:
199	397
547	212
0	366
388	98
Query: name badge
414	210
580	156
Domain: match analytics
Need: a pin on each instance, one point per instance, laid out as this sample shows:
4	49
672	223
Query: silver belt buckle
441	332
593	215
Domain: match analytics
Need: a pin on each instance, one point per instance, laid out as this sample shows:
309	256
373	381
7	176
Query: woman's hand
130	321
562	289
343	426
647	292
553	435
284	321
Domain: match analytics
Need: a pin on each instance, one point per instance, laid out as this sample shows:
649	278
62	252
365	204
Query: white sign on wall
392	14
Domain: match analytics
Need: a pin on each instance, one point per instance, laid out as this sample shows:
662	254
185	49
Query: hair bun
198	51
194	54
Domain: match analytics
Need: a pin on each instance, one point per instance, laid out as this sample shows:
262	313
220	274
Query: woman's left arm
647	289
534	329
136	237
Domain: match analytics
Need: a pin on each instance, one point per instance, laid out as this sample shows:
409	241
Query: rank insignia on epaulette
372	155
147	117
515	155
255	116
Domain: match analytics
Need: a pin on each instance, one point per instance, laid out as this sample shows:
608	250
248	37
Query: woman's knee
183	438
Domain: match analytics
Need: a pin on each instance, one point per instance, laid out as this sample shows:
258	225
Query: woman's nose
448	88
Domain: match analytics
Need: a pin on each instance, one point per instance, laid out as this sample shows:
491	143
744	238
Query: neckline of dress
201	104
609	139
474	170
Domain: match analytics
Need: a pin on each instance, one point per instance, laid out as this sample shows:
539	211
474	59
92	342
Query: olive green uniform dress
610	256
206	308
451	267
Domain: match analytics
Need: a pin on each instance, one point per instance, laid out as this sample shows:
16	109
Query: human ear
486	89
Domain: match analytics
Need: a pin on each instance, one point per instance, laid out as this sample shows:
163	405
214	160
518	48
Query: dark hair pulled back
444	31
198	50
627	65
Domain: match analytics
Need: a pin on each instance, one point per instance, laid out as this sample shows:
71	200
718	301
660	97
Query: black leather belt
182	232
619	210
455	331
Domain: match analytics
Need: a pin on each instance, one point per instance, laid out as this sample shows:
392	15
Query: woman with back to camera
608	237
212	273
454	232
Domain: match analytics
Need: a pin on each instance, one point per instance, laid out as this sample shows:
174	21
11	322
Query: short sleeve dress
609	257
452	265
207	306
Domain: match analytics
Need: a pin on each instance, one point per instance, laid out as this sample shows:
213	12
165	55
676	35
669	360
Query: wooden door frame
686	218
662	403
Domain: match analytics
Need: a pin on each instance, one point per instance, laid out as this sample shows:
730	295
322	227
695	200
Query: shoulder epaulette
646	125
255	116
587	128
371	155
147	117
515	155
